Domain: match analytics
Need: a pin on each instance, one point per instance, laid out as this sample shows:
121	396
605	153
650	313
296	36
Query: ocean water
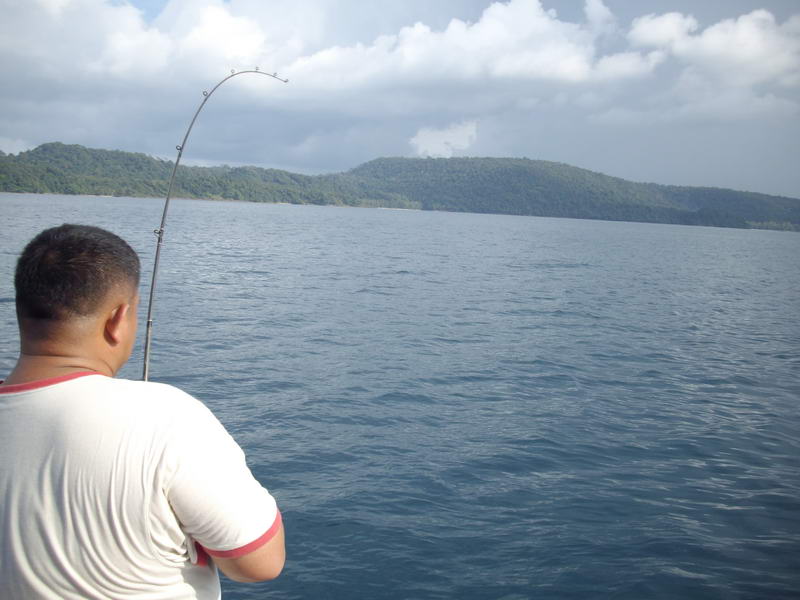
478	406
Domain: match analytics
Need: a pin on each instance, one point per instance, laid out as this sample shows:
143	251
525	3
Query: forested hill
482	185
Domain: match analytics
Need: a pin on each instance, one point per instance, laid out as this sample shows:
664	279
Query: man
112	488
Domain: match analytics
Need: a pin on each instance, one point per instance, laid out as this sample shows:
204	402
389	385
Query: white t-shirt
111	488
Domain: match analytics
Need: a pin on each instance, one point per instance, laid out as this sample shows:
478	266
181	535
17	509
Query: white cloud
217	35
600	18
700	97
734	69
696	98
516	40
627	65
750	50
133	50
363	76
444	142
670	29
54	7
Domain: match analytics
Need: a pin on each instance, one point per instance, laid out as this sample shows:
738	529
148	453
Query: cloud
600	19
133	51
365	75
54	7
667	30
706	105
732	70
516	40
750	50
627	65
442	143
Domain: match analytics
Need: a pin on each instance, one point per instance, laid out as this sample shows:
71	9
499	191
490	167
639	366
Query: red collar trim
34	385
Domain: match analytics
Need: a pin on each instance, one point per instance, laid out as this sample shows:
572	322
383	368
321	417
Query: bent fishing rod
160	231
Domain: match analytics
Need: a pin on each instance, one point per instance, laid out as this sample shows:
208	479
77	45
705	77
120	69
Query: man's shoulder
144	387
144	396
156	409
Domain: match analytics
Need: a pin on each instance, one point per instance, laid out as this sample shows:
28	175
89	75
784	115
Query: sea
484	407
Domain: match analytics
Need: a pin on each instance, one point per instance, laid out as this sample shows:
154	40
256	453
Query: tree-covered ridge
482	185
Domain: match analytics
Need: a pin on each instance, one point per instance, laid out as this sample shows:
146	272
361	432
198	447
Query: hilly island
513	186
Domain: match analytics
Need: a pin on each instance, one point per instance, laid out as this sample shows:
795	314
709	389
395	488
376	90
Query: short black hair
69	270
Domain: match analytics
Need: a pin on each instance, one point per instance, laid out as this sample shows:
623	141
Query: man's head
73	278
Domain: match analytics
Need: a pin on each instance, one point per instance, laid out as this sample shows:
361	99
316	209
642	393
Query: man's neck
38	367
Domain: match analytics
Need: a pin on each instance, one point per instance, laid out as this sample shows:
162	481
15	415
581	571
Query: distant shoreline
507	186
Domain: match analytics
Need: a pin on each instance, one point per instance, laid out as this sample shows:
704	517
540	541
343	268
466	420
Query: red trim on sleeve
34	385
202	556
254	545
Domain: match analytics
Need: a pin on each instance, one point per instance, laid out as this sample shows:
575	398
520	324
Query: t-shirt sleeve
212	491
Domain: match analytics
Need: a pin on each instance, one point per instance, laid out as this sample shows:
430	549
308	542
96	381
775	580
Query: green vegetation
483	185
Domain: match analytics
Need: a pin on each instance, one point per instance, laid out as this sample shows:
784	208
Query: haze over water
477	406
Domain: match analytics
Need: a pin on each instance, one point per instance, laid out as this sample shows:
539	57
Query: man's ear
117	324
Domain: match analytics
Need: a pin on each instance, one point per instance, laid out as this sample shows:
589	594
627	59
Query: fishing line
160	231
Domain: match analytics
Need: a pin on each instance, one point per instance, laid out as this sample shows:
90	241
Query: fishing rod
160	231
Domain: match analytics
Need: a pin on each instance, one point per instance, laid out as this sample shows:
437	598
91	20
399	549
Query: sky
667	91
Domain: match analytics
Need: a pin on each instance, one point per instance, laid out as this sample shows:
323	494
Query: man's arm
216	499
262	564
